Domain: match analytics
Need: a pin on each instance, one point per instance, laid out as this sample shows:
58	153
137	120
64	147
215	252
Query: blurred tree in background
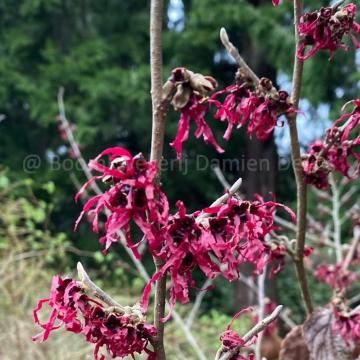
99	52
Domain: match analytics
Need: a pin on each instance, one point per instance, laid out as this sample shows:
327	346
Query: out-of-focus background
98	51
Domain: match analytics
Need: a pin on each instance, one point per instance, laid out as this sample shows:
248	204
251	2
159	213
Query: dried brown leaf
323	342
182	96
293	347
202	84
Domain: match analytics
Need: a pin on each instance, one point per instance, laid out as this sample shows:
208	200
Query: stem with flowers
301	191
157	144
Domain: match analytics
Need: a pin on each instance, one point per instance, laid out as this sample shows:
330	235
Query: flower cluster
276	2
257	105
338	152
187	92
216	240
120	333
132	195
315	167
335	276
324	29
347	322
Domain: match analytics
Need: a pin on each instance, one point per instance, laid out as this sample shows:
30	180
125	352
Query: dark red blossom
64	300
187	92
251	224
215	240
133	195
276	2
324	29
315	166
338	152
121	334
335	276
194	110
257	106
347	322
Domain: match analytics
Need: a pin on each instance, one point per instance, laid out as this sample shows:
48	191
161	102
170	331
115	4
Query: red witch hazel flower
257	105
230	339
251	224
65	299
133	195
347	321
315	167
324	30
338	152
187	93
335	276
215	240
122	332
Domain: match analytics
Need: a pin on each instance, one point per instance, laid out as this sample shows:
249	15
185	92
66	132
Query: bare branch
261	325
197	303
88	285
222	199
231	49
157	144
353	247
337	4
72	142
261	301
335	213
301	190
220	176
226	354
189	336
233	189
348	195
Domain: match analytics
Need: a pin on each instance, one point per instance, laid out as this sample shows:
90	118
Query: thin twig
72	142
157	144
232	50
337	4
197	303
261	301
348	195
335	213
88	285
355	311
297	167
189	336
226	354
222	199
261	325
220	176
353	247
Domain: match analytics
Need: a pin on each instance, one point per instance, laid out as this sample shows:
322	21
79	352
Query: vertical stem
157	144
335	198
261	303
297	167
